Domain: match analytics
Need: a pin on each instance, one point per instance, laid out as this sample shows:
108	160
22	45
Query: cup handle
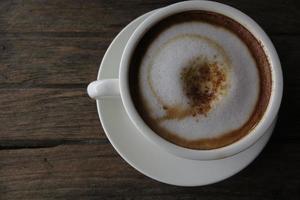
104	88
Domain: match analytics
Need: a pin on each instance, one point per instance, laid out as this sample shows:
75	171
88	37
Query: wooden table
52	145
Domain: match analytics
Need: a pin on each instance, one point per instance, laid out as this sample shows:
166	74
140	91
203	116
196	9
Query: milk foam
160	80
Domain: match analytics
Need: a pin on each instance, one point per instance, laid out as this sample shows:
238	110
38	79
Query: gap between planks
48	143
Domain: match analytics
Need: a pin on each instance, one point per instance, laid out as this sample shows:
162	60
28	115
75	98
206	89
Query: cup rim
258	33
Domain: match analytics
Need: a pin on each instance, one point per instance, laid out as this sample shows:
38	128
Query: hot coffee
200	80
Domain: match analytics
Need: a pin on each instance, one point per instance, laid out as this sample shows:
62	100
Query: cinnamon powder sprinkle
202	83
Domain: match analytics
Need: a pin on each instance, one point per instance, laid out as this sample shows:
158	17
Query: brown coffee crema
201	100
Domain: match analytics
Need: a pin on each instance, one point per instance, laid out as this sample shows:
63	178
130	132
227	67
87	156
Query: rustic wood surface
52	145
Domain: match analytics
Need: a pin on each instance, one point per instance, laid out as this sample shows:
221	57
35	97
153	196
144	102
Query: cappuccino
200	80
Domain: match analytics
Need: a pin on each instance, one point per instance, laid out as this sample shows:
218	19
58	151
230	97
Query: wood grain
278	16
95	171
34	60
48	113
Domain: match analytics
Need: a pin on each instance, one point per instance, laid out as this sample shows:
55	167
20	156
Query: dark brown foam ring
257	51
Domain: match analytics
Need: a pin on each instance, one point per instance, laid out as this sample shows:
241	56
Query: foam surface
171	51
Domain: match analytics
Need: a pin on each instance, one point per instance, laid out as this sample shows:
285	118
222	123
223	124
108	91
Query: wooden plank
69	114
97	172
48	113
43	60
71	16
28	61
109	16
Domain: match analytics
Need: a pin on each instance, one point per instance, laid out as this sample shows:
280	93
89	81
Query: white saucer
145	156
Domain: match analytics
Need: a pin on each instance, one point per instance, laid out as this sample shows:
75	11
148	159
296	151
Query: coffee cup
121	88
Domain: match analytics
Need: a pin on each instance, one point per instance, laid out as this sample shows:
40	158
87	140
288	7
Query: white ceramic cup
119	88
